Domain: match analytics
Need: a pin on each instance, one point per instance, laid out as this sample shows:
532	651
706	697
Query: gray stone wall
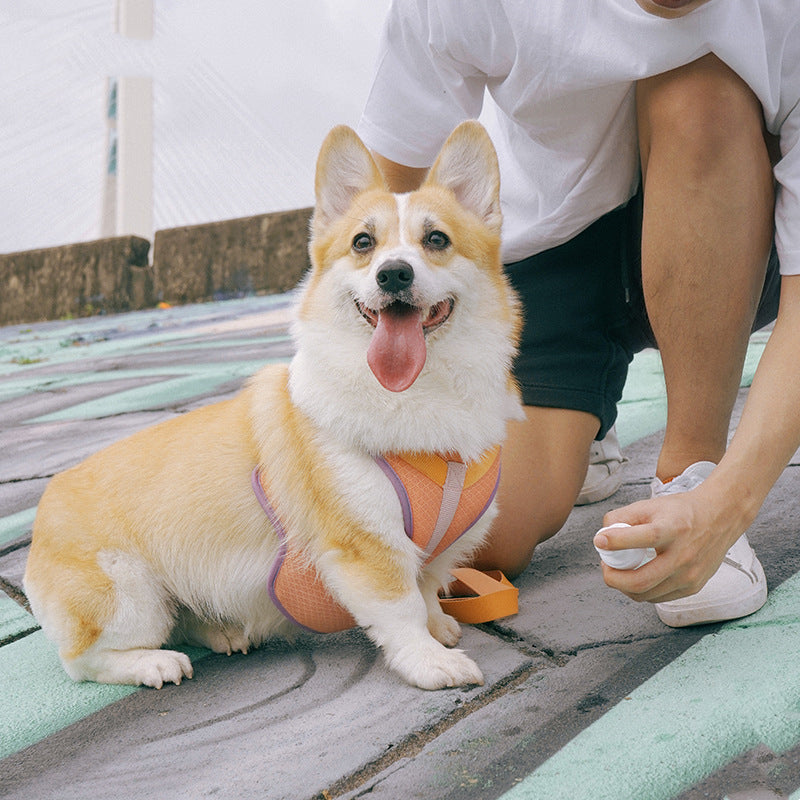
75	280
264	254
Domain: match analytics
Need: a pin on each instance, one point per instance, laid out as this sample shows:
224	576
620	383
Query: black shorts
585	316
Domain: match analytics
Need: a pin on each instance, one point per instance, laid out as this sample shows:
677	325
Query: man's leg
544	464
706	235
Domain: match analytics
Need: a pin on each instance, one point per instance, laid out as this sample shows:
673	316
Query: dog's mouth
437	314
397	351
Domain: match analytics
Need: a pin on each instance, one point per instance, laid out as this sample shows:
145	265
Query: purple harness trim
402	495
280	531
488	502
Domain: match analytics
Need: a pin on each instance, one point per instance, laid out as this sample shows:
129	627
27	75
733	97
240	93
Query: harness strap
441	497
476	596
293	576
451	497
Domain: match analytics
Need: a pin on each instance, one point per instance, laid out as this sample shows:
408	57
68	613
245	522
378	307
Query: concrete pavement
587	694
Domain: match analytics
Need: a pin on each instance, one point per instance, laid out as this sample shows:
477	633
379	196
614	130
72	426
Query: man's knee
703	111
544	464
512	541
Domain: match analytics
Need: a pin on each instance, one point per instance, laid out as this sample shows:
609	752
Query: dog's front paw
435	667
444	629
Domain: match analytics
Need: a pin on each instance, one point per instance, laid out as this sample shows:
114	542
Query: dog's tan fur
159	538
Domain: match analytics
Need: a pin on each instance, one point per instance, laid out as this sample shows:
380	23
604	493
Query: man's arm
769	431
693	531
400	178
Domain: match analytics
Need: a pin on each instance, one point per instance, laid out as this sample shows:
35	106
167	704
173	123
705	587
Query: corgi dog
405	331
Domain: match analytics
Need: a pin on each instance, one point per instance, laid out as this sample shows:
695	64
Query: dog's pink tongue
397	353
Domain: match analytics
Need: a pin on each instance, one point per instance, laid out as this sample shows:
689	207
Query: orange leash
477	596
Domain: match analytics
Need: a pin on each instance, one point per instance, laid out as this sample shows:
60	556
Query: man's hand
691	532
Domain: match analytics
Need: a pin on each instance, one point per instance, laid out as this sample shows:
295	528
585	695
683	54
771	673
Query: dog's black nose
395	276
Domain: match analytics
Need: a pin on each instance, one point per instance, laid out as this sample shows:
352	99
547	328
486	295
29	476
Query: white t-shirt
553	82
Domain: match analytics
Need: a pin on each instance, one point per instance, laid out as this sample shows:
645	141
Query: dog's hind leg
137	666
127	649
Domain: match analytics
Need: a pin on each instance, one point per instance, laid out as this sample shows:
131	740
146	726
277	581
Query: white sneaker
736	589
604	475
689	479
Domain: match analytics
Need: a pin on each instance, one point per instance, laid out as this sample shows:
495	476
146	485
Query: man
710	86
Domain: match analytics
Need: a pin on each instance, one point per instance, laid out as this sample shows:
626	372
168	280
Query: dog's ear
467	165
345	168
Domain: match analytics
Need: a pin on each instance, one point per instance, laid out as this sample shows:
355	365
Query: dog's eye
363	242
436	240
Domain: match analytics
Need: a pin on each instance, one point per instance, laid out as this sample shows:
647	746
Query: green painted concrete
38	698
730	692
643	407
25	346
16	525
177	384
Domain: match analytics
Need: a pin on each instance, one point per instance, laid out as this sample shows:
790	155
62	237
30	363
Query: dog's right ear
345	168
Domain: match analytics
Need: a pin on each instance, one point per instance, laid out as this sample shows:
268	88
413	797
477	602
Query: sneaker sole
742	606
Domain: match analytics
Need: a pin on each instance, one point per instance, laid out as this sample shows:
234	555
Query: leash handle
475	596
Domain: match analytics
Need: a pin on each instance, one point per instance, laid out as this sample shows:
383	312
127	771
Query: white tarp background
244	92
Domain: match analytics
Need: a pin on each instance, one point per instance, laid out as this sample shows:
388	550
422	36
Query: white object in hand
632	558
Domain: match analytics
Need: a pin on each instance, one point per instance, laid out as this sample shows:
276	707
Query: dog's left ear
467	165
345	168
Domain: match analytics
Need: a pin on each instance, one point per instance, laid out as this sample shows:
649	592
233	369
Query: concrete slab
499	745
15	622
282	722
12	569
18	500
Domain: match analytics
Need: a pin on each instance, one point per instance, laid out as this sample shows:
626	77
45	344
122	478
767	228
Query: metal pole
134	130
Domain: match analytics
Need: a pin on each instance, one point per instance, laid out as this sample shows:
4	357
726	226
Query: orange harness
441	498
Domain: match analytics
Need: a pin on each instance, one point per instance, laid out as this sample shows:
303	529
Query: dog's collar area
437	314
